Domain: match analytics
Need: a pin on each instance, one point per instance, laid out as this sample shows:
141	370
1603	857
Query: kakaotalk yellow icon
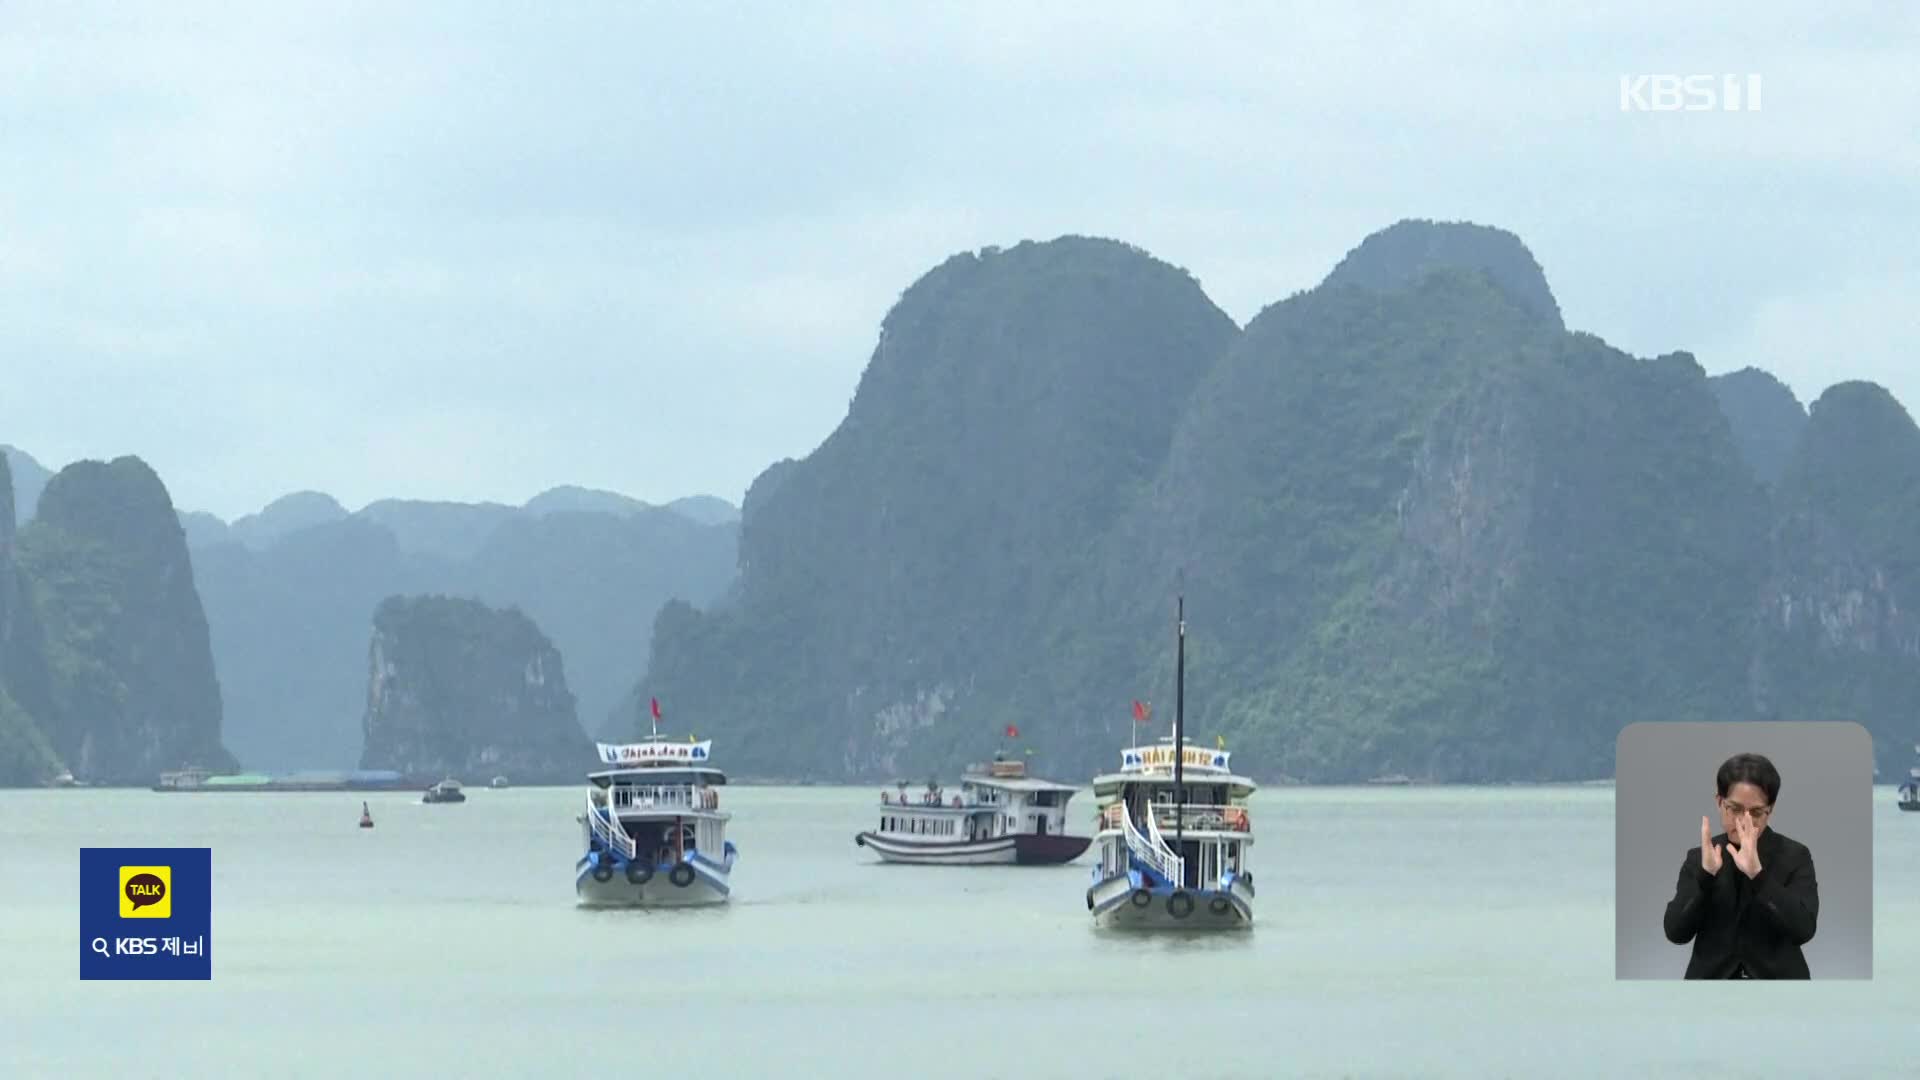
146	892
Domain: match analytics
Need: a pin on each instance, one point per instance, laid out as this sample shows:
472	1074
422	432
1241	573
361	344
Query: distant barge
200	780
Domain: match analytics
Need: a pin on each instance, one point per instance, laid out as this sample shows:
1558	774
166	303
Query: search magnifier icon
100	946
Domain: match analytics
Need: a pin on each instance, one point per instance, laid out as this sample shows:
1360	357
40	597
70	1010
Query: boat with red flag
998	816
1174	831
654	833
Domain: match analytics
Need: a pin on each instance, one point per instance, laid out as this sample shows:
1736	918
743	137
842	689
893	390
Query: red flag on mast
656	708
1140	712
1012	732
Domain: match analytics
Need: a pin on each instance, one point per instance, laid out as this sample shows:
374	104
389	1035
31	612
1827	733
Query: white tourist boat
1000	816
654	831
1174	834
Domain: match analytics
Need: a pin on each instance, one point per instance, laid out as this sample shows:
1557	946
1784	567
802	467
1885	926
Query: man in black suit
1746	897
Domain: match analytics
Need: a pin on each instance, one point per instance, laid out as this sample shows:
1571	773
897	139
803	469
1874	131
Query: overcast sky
472	251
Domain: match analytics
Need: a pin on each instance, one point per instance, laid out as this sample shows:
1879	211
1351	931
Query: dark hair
1749	769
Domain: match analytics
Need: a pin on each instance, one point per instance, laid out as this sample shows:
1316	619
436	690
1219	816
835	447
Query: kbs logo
146	892
1689	93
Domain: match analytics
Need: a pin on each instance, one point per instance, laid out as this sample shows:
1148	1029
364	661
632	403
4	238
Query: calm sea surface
1402	932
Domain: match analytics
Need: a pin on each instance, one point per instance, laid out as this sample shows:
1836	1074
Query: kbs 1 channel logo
146	913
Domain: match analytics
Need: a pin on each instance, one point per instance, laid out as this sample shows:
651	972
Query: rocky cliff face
26	754
130	670
460	689
29	478
1423	529
893	580
1582	545
1840	610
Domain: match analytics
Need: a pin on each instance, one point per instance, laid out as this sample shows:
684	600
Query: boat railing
1204	817
1152	849
608	831
667	796
923	802
1197	816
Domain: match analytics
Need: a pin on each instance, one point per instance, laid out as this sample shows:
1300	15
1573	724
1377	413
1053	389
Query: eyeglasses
1755	814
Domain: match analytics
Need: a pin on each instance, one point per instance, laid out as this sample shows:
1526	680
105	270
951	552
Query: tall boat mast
1179	730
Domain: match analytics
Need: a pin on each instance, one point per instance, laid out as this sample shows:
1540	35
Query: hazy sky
471	251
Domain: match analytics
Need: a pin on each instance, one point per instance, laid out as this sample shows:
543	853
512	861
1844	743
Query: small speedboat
446	791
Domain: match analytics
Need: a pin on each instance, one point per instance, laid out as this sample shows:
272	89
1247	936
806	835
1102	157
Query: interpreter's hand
1709	851
1746	855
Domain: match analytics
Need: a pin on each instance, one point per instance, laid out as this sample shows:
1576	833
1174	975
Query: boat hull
697	881
1910	805
1124	902
1023	849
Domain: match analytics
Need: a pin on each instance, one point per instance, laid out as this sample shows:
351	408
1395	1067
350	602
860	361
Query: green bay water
1402	932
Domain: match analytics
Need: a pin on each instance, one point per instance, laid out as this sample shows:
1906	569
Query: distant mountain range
453	529
1422	528
290	594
